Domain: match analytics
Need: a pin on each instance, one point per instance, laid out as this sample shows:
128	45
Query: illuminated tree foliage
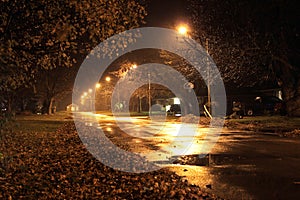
253	42
128	66
46	34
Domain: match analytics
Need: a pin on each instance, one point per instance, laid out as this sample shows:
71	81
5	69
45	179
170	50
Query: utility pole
149	92
208	76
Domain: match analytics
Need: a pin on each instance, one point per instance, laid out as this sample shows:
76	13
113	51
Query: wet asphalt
237	165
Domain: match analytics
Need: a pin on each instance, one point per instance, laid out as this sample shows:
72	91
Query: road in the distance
241	165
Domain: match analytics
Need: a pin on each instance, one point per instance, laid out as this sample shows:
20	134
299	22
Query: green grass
282	122
50	123
133	114
38	123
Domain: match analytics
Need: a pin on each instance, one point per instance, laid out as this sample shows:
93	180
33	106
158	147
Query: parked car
174	110
3	108
265	105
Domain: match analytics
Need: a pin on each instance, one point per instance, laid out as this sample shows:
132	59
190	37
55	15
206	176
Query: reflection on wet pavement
241	164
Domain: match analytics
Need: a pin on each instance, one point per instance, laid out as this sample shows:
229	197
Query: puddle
209	179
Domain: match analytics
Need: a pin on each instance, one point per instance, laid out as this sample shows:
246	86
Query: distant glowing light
98	85
134	66
176	100
107	79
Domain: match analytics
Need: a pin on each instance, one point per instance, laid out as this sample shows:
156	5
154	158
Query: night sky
166	13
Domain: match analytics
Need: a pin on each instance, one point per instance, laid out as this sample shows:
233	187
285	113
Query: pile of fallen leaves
251	126
293	133
58	166
190	118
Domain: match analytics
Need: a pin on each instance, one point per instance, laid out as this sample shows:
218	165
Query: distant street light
134	66
123	74
107	78
98	85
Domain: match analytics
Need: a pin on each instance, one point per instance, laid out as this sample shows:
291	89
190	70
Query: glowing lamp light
134	66
107	78
182	30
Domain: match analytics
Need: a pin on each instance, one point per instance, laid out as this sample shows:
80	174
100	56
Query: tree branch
276	58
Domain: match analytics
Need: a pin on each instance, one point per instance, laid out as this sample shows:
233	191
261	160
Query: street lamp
124	73
208	77
183	30
134	66
83	99
98	85
107	78
90	99
149	90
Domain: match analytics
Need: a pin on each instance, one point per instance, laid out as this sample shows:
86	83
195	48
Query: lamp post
107	79
183	30
149	92
90	99
208	77
97	87
124	73
84	96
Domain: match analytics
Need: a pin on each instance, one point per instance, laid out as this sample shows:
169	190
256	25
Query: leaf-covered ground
56	165
280	125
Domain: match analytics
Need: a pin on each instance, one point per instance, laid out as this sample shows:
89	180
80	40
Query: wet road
240	165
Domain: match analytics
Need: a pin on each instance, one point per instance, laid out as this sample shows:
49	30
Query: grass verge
38	123
275	124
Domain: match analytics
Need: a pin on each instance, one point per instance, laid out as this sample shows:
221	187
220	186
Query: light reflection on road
171	139
243	164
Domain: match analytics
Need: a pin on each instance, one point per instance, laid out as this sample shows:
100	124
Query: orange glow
182	29
107	79
134	66
98	85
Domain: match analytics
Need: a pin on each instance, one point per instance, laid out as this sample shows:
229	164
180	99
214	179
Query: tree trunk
289	77
291	95
10	106
140	105
50	106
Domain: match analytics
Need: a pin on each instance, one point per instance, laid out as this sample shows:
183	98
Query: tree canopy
44	35
252	42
